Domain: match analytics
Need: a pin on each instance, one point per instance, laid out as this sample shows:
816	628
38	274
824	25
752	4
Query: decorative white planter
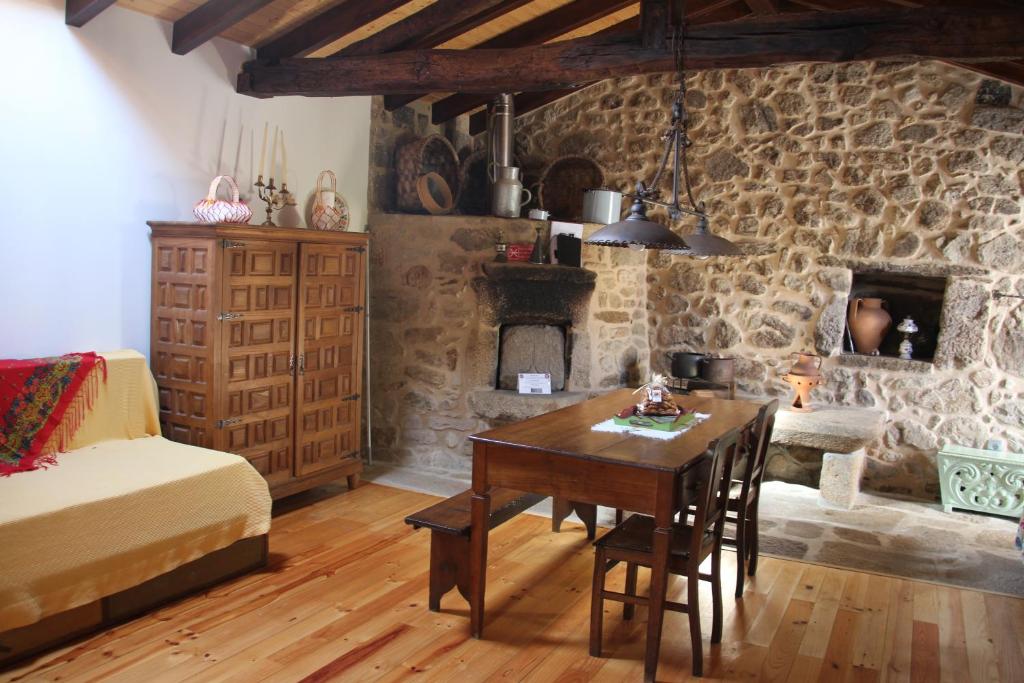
985	481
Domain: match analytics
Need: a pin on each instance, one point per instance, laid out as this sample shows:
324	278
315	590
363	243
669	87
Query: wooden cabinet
257	346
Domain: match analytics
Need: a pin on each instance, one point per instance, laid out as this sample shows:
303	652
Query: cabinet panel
181	355
330	345
257	352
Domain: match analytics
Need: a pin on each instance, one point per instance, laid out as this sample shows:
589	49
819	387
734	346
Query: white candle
273	154
263	150
284	161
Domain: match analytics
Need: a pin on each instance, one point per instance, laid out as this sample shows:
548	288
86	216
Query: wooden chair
745	494
632	542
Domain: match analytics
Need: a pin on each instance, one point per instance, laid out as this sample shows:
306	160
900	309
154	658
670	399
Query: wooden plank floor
345	598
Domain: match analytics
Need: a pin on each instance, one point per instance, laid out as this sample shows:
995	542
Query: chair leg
752	540
629	609
716	595
597	603
741	550
693	611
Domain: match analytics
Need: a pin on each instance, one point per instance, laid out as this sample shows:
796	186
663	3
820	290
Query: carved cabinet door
257	353
329	349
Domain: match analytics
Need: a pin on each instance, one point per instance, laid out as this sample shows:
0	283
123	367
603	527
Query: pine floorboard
344	598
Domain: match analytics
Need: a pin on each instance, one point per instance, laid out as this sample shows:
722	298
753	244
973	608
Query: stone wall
834	168
433	348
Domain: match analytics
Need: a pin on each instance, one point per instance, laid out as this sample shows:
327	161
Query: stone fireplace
451	329
538	310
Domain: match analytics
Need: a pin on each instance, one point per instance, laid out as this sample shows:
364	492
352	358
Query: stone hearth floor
880	534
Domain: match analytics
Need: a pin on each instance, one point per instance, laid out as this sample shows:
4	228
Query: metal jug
508	194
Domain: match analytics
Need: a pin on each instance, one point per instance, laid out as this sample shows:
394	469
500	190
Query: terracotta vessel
868	323
804	376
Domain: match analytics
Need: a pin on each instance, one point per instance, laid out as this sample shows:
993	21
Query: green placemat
659	424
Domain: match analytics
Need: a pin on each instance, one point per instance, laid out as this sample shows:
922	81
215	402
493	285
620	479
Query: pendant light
636	230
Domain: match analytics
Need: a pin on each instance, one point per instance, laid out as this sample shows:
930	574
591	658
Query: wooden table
557	454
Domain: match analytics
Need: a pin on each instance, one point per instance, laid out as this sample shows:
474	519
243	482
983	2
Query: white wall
103	128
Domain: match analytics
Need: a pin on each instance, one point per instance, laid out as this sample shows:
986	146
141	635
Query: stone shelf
860	360
500	404
834	430
548	272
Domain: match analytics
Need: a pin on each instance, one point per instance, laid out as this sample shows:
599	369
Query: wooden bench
449	522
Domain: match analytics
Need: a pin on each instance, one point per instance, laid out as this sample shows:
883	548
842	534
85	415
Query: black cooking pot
686	365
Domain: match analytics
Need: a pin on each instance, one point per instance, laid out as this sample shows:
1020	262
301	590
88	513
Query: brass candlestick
275	200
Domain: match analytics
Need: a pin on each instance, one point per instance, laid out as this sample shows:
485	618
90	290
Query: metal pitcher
508	194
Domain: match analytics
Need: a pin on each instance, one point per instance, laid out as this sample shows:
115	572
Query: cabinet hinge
358	250
221	424
353	397
228	316
231	244
353	309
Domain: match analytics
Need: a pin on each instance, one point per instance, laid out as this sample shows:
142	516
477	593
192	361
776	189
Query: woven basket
562	183
330	211
432	154
213	210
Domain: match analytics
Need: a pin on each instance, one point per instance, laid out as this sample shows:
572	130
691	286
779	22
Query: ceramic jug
868	323
805	364
508	194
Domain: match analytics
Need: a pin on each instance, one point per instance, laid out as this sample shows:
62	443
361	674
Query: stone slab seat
449	522
841	434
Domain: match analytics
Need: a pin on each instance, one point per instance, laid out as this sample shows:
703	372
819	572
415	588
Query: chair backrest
712	498
757	447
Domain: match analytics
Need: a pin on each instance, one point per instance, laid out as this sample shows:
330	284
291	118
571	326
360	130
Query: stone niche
441	312
538	310
904	295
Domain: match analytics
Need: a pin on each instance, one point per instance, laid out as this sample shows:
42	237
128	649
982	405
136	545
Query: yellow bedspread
124	507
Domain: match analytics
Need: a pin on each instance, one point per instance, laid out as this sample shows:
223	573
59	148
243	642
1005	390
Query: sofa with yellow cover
127	519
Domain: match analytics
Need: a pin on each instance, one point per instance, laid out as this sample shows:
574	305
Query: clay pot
868	323
805	364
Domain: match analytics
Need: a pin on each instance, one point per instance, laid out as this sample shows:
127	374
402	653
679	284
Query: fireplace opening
533	348
916	296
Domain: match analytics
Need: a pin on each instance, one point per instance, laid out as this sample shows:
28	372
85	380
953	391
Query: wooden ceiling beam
326	27
537	31
763	6
431	26
1010	72
209	20
754	42
80	12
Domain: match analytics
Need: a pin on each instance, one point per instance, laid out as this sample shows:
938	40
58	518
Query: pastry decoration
657	400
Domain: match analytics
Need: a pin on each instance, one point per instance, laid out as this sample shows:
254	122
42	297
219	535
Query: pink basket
213	210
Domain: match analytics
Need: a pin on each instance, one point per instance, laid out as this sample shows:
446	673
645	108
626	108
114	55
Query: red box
519	251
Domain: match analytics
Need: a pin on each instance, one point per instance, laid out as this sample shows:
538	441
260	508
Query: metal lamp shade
703	243
637	231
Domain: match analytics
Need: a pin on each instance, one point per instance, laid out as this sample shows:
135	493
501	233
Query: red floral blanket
43	401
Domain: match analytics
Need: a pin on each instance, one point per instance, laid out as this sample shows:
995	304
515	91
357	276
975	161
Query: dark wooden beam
79	12
431	26
763	6
209	20
759	41
454	105
697	12
326	27
1010	72
655	23
534	32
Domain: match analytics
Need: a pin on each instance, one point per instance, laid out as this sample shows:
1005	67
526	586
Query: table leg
663	517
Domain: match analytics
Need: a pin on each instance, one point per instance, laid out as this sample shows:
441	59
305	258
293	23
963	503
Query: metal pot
601	206
686	365
718	370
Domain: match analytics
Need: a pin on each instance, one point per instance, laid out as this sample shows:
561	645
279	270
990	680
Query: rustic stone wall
433	347
835	168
